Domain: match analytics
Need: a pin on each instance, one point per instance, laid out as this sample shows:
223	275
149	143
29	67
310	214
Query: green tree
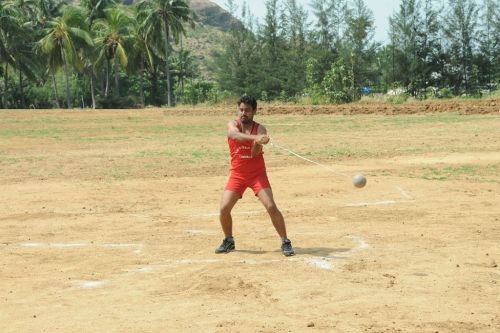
239	62
184	68
460	26
337	83
295	59
46	10
429	47
163	20
141	56
405	30
489	42
273	51
96	9
113	39
62	37
16	38
323	33
360	50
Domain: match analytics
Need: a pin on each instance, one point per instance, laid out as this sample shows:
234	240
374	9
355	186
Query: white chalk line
403	193
92	284
326	262
137	247
375	203
250	212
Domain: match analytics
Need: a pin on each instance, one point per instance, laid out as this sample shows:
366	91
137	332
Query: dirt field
108	222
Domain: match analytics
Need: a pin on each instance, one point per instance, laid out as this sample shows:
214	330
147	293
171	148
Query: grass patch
461	172
50	133
7	160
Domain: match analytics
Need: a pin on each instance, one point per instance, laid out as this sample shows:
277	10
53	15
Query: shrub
117	102
445	93
398	99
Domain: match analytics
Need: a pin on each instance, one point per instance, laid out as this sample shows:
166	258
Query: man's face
246	113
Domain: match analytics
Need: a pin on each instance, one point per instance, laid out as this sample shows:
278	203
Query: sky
382	9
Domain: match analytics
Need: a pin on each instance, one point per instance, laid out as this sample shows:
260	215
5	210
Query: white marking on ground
201	232
361	204
328	263
403	193
323	263
362	245
125	246
112	245
64	245
255	262
145	269
92	284
32	244
78	245
250	212
195	261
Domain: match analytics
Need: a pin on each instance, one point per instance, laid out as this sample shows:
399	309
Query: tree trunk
6	83
54	84
167	68
117	88
183	70
102	81
66	74
92	88
106	91
141	82
154	87
21	90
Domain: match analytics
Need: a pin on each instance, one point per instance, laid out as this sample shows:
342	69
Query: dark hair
248	100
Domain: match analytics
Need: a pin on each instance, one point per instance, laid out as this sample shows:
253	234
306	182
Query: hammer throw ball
359	180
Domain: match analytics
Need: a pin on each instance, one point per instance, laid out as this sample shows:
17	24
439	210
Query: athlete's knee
225	210
272	209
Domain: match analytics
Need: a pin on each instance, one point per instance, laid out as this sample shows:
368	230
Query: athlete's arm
257	144
234	133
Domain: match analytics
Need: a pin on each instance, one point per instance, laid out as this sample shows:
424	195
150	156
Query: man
246	138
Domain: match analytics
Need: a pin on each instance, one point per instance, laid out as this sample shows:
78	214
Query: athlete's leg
229	199
266	197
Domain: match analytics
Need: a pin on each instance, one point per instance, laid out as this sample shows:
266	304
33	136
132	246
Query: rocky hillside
212	23
212	15
208	13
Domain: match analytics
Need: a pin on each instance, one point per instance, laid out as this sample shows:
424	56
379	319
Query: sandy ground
108	223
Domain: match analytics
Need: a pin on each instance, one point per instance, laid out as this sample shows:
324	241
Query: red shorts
238	183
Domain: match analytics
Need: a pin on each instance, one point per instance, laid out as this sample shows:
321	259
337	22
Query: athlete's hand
262	139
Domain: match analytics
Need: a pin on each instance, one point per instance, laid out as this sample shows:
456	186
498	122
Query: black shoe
286	248
226	246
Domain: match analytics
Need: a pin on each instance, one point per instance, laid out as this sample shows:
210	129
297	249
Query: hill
212	24
208	13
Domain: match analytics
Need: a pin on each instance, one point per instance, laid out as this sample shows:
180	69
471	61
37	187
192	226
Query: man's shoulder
260	128
233	122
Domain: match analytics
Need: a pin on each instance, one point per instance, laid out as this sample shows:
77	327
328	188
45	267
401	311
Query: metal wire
274	144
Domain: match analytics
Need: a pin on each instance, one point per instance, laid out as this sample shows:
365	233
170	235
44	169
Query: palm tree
15	45
113	37
162	20
46	10
9	25
141	55
96	9
62	37
184	67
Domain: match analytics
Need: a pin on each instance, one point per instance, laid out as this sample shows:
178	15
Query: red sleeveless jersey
242	161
